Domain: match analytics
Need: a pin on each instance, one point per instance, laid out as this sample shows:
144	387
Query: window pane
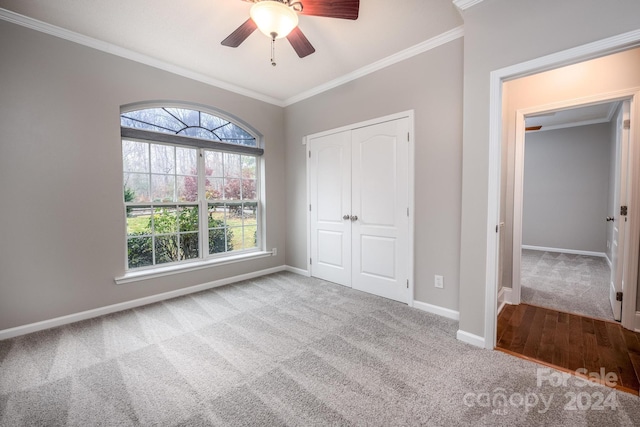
232	189
217	215
235	239
189	248
211	122
248	167
163	159
139	252
250	213
187	122
232	165
136	187
250	237
188	218
166	249
154	119
187	117
214	188
162	188
186	161
187	187
217	242
138	220
248	189
213	163
165	220
135	156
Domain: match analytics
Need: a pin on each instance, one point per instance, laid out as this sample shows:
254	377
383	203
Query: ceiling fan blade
300	43
532	128
240	34
343	9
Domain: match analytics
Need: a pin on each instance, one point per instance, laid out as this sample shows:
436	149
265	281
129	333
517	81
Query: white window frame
205	260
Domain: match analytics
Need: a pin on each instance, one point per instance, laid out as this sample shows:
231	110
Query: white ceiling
187	34
578	116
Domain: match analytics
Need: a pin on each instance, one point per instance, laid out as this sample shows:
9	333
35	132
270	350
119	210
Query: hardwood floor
569	342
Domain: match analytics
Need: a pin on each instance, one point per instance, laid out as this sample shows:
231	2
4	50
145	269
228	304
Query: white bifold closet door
359	193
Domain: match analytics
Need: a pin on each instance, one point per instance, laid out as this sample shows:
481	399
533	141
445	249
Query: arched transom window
191	186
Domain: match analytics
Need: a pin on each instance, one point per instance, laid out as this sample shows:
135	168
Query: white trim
608	260
103	46
297	270
89	314
437	310
573	124
637	323
410	52
504	298
470	338
496	78
137	275
565	251
465	4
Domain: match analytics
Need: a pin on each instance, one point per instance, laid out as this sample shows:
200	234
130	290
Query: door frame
409	114
629	253
574	55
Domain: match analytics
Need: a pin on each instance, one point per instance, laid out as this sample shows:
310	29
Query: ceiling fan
279	18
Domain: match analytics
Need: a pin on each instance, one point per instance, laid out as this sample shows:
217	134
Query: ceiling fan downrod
273	49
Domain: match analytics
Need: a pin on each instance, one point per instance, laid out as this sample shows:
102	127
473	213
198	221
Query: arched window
191	186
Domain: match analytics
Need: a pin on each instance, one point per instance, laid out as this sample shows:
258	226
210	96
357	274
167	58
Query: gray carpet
281	350
566	282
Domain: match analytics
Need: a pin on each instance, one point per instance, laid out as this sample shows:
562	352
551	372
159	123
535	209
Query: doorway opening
572	177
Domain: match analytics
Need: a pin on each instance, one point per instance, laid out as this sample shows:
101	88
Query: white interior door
620	199
380	201
330	197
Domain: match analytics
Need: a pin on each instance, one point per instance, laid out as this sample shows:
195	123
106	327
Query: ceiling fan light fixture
273	18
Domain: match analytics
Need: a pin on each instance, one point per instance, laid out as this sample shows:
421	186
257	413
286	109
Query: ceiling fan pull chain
273	49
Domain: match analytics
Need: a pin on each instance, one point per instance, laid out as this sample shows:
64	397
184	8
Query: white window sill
152	273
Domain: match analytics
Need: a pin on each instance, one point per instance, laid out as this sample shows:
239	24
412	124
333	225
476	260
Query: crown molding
43	27
465	4
410	52
72	36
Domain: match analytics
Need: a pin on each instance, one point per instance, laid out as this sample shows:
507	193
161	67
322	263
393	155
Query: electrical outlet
439	281
274	252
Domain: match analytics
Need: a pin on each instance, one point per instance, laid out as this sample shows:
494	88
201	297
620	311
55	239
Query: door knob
354	218
346	217
610	218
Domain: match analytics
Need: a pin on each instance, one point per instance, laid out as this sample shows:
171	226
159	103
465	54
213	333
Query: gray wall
500	33
431	84
62	214
566	188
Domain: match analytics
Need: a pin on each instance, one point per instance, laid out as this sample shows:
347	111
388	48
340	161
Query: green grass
140	224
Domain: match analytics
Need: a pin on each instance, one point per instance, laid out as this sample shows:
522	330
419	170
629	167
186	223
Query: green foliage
171	246
129	196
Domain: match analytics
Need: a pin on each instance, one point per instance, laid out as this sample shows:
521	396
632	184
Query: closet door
330	198
380	201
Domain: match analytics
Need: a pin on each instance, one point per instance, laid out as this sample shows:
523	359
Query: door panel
619	223
380	182
330	197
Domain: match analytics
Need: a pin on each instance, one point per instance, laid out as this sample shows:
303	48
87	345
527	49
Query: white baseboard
637	325
297	270
470	338
608	260
435	309
564	251
504	298
84	315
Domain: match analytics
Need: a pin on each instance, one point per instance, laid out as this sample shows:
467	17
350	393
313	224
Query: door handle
346	217
354	218
610	218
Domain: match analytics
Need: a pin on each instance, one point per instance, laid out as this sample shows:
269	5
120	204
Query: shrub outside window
188	197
